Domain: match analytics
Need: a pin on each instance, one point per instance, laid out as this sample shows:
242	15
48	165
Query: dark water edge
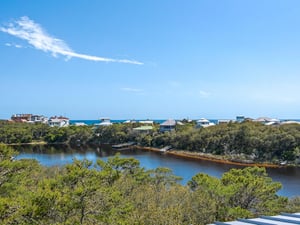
59	155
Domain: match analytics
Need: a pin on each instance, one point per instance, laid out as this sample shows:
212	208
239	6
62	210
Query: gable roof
169	122
143	128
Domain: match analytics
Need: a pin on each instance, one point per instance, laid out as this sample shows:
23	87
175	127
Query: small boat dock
123	146
166	148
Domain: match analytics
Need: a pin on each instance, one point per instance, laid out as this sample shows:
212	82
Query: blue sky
150	59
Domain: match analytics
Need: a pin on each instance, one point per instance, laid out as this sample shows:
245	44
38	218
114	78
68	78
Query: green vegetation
119	191
248	141
20	133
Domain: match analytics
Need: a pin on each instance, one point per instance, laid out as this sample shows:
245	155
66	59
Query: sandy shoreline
209	157
30	143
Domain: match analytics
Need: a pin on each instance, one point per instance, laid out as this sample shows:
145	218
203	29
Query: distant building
240	119
38	119
104	122
168	125
143	129
21	117
267	121
145	126
204	123
29	118
130	121
290	122
224	121
146	122
59	121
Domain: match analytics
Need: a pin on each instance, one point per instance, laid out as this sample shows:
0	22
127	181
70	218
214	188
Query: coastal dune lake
185	168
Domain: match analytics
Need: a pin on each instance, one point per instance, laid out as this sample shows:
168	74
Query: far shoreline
211	158
183	154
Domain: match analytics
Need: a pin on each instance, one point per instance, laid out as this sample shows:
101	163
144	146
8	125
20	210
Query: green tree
252	189
240	193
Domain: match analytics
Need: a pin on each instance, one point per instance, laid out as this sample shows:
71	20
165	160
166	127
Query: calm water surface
185	168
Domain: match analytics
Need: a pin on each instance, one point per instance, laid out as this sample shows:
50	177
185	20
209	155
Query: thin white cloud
132	89
36	36
14	45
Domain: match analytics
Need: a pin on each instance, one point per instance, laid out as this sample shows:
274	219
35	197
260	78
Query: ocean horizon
159	121
92	122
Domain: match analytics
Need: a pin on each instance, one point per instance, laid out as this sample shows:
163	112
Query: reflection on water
57	155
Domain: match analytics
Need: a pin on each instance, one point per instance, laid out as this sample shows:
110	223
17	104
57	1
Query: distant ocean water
159	121
92	122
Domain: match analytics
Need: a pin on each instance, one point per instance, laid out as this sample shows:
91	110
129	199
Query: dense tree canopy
119	191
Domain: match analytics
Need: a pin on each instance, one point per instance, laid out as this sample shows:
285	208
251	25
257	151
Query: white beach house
58	121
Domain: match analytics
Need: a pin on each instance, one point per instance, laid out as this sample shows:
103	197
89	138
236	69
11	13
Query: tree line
249	141
120	191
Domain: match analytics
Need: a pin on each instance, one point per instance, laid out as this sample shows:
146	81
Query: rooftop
282	219
169	122
143	128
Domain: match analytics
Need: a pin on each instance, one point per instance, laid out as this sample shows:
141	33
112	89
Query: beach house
21	117
204	123
29	118
58	121
168	125
105	121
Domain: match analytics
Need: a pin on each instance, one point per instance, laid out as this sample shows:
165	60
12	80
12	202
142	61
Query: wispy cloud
36	36
14	45
132	90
